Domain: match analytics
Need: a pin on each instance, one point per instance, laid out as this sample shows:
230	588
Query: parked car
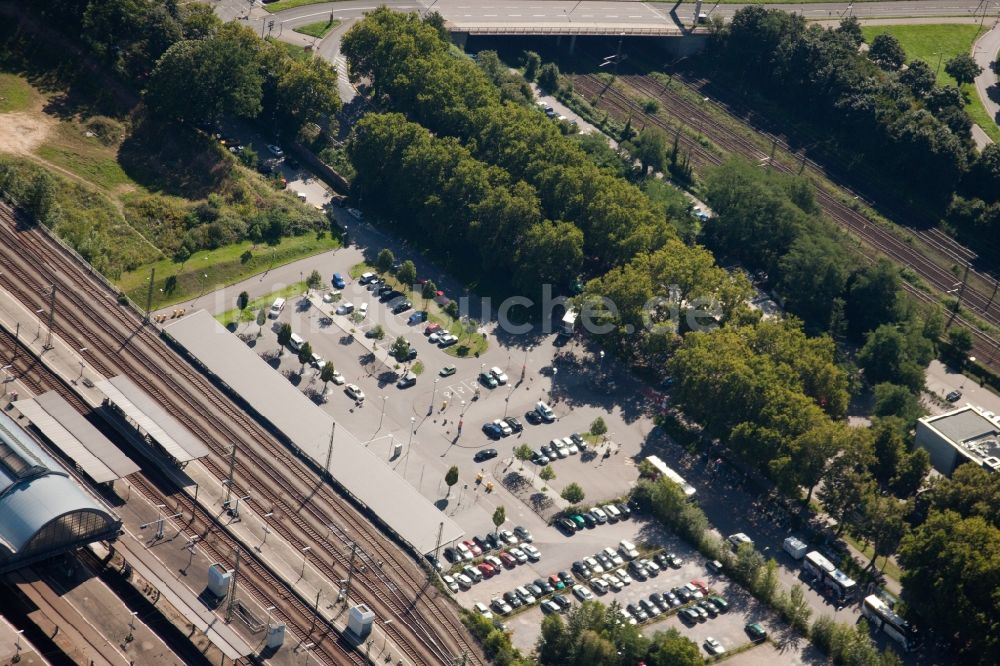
613	582
275	150
600	585
354	392
720	603
593	565
431	328
417	317
535	590
446	340
473	548
545	412
338	281
533	417
534	555
483	610
581	569
557	582
514	424
563	601
708	607
526	595
582	593
549	606
512	599
499	375
567	526
448	371
450	582
756	632
523	534
401	306
546	586
407	380
689	615
715	566
488	380
505	429
484	454
713	647
487	569
472	572
566	577
637	612
652	610
492	430
954	396
627	549
519	555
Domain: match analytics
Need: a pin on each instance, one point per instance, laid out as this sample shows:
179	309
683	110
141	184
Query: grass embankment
132	195
210	269
282	5
936	45
469	343
318	29
250	313
15	94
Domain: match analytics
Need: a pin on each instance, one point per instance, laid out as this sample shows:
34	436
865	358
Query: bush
548	77
314	280
385	260
573	493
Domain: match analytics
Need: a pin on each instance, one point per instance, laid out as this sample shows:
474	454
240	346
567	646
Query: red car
508	560
556	582
432	328
487	570
476	550
700	584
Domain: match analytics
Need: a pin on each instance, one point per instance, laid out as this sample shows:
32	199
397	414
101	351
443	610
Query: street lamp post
305	556
430	409
409	442
524	366
382	415
131	627
267	530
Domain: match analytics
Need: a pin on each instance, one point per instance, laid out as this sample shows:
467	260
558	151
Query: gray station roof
963	425
359	471
179	442
35	491
66	428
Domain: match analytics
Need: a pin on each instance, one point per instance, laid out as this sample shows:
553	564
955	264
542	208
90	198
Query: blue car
493	431
338	281
418	317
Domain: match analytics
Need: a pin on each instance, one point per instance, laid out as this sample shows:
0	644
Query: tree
523	452
598	427
895	400
918	77
400	348
937	557
314	280
548	77
650	148
378	332
572	493
451	478
847	483
407	273
306	92
428	290
261	320
887	52
305	354
532	61
885	357
959	346
242	301
970	491
385	259
850	29
284	336
326	375
798	610
963	68
547	473
499	517
883	524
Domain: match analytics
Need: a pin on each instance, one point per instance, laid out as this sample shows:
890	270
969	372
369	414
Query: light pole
131	627
409	442
382	415
17	646
524	366
6	377
267	530
430	409
305	556
461	417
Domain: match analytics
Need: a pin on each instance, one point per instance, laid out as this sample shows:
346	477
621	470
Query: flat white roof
76	437
179	442
359	471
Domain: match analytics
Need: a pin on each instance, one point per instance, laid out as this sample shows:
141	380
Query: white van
627	549
296	342
276	308
795	547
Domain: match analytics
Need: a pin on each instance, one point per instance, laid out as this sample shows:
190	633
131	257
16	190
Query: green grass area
469	343
250	313
935	45
15	93
318	29
282	5
85	156
208	270
891	569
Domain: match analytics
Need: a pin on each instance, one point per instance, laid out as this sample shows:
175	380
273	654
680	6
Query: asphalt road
588	12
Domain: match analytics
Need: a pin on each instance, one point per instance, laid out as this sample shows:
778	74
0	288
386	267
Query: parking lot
423	421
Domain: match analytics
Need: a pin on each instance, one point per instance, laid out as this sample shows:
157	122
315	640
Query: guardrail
572	29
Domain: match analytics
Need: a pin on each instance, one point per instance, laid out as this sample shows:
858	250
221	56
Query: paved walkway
985	52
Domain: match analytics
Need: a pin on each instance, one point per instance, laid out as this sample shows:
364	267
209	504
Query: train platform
13	643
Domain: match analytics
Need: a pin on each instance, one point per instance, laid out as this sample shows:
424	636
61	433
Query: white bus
662	468
883	618
828	575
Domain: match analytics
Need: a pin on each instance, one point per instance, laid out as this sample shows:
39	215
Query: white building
965	435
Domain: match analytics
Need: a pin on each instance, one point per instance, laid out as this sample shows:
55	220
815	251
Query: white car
447	340
495	561
649	565
626	616
505	430
464	550
363	310
526	597
463	581
483	610
500	606
628	549
498	375
345	308
593	565
713	647
613	555
434	337
317	361
545	412
508	537
533	554
518	555
275	150
570	446
354	391
338	378
582	593
624	577
451	583
600	585
612	581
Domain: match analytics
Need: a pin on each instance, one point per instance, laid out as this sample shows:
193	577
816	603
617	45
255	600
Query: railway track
426	625
985	347
261	583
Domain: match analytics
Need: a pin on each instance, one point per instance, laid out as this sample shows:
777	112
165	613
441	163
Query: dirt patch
21	133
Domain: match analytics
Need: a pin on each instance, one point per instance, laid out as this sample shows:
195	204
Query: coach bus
883	618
